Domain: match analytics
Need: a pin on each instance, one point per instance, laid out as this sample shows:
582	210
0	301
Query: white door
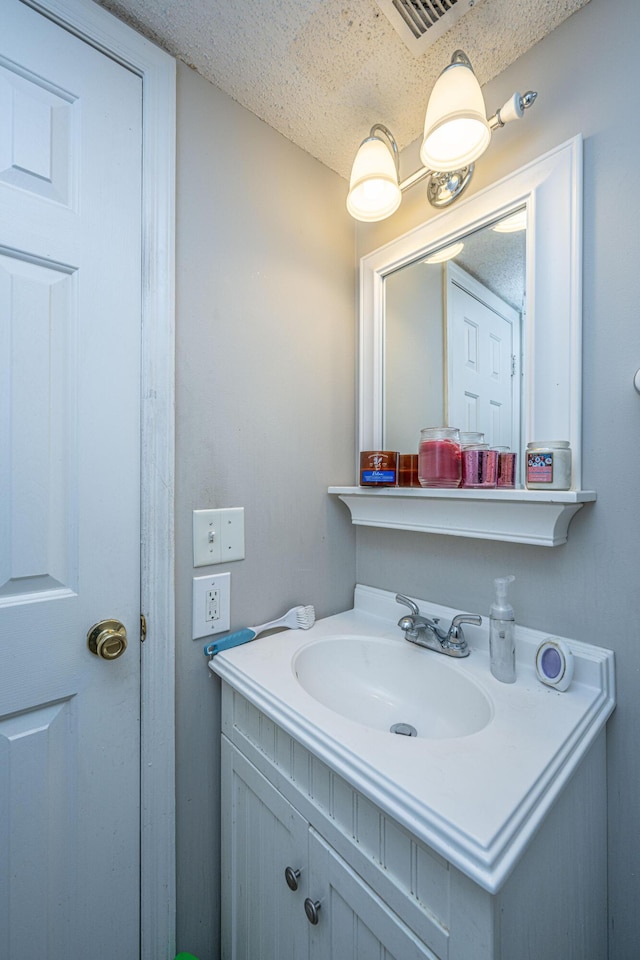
70	291
483	347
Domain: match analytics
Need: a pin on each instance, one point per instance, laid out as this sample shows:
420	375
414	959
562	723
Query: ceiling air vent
421	22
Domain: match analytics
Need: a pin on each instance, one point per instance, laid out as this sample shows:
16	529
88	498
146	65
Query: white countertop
476	799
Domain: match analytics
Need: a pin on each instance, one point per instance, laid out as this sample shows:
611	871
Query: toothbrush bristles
306	617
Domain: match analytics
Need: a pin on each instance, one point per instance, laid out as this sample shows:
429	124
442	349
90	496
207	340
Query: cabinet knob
292	876
311	908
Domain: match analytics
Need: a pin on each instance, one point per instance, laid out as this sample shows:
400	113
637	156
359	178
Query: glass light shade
456	131
373	190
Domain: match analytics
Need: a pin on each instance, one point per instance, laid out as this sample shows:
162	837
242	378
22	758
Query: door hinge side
143	628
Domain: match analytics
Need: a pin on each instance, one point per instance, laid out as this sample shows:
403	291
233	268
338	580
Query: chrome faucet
426	632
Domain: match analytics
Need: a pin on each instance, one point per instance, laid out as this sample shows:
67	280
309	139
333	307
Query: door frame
157	71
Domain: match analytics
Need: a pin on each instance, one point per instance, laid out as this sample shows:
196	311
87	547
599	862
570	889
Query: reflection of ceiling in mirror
498	261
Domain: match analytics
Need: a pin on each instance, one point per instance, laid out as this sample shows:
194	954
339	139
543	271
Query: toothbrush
298	618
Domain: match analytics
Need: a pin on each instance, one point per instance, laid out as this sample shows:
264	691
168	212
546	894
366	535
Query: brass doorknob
107	639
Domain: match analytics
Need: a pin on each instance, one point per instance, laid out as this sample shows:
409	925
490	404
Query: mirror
414	354
457	314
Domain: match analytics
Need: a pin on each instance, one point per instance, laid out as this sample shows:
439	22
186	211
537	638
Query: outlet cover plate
211	617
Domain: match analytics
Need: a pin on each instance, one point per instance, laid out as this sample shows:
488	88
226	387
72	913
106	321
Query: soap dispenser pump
502	646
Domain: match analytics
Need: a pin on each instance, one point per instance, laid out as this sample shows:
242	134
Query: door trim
157	71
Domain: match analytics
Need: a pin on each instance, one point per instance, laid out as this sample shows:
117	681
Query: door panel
38	370
70	292
262	918
354	922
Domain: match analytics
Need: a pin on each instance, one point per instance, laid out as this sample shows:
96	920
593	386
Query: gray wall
585	72
265	399
265	418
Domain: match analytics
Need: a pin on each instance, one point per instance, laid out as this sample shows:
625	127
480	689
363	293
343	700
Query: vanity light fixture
456	133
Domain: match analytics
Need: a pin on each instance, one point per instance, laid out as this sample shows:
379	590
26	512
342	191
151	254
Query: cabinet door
262	835
353	922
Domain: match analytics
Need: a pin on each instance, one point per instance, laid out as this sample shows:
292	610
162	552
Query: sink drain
403	730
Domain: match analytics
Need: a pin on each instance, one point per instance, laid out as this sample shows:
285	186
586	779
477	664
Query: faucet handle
466	618
456	634
415	609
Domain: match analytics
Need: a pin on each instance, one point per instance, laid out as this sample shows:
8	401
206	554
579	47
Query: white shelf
517	516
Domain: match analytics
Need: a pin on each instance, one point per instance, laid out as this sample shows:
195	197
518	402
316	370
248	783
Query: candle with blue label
378	468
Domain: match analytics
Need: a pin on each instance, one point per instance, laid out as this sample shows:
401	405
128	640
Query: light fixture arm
513	109
459	56
421	174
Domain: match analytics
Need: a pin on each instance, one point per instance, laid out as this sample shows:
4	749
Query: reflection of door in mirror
428	379
483	351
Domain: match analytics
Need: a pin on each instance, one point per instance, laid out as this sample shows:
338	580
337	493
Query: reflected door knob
107	639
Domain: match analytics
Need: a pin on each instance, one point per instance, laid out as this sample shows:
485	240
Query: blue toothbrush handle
232	640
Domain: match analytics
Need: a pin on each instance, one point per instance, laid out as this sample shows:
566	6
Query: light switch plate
211	605
232	534
218	536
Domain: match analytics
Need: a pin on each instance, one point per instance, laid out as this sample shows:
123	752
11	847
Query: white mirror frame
551	189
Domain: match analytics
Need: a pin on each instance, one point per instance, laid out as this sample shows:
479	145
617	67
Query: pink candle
479	466
439	458
507	469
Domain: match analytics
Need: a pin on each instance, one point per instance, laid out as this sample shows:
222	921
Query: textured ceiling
321	72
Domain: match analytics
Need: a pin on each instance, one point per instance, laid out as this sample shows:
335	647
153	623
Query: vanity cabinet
332	914
381	891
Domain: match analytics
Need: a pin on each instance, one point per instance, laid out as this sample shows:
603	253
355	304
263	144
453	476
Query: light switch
206	537
218	536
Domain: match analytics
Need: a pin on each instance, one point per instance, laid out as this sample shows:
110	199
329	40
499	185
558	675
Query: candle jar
479	466
506	468
439	457
470	439
549	465
378	468
408	470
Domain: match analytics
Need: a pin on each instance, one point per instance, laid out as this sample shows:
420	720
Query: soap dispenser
502	646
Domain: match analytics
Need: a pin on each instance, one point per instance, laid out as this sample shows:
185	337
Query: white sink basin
381	683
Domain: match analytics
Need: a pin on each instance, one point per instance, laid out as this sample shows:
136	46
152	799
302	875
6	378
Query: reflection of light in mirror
447	253
517	221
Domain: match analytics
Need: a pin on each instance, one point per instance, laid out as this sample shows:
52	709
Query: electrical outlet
211	605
